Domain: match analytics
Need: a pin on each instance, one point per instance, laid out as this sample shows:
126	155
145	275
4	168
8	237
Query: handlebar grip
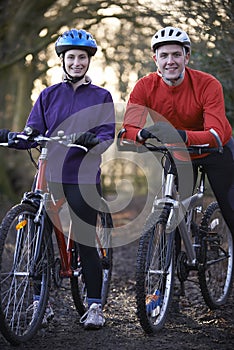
218	140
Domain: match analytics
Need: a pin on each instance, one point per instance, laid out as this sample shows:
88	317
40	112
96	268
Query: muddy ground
191	324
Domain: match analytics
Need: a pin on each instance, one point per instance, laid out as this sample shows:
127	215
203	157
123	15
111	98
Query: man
187	106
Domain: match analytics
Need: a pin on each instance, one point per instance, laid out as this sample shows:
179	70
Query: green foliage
210	25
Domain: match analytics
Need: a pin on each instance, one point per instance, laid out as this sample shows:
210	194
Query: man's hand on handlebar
163	132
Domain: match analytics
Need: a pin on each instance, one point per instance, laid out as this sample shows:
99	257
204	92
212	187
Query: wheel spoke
154	276
216	276
20	273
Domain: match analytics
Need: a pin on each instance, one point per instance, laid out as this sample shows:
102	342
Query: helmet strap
172	82
71	79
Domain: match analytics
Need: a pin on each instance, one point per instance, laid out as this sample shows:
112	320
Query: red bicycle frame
53	207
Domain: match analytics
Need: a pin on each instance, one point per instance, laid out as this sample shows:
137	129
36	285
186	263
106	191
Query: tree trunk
15	85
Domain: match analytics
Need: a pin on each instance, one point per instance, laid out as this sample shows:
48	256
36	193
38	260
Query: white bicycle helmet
170	35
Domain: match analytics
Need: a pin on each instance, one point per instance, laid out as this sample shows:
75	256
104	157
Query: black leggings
220	173
219	169
83	201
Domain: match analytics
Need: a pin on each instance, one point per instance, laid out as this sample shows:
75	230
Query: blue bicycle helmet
76	39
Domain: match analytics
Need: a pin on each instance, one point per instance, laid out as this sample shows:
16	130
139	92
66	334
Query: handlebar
61	138
132	146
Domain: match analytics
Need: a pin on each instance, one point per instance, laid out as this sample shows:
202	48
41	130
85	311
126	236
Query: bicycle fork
173	214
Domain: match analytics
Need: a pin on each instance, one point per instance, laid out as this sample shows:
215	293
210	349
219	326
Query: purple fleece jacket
88	108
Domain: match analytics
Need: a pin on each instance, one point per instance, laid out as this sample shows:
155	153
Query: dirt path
190	326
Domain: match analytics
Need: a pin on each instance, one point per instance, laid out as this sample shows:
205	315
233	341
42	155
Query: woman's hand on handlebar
4	135
86	139
8	137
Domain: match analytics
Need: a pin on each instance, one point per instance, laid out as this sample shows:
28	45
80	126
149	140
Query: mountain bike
179	237
27	256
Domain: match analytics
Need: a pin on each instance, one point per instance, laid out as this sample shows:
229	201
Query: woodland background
123	31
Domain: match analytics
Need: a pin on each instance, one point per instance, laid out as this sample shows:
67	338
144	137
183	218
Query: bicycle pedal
152	303
105	263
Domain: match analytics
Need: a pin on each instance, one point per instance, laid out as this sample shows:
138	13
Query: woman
85	110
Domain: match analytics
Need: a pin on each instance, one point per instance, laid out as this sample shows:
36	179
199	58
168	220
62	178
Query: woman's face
76	62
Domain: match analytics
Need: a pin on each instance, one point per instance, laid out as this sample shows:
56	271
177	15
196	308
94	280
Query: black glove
4	135
164	132
87	139
12	137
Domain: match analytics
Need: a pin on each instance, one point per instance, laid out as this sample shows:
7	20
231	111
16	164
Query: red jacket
196	105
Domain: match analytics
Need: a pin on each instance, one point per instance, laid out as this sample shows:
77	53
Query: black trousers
83	201
220	173
219	169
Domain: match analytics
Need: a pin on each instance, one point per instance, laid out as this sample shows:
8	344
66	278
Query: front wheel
24	273
104	227
154	276
216	272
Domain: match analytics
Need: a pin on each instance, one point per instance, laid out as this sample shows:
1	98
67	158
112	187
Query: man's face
171	60
76	62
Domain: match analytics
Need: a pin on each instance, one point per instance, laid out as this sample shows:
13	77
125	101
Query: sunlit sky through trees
98	71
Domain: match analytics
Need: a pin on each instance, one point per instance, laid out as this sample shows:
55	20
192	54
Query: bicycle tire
78	288
216	272
155	271
19	274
